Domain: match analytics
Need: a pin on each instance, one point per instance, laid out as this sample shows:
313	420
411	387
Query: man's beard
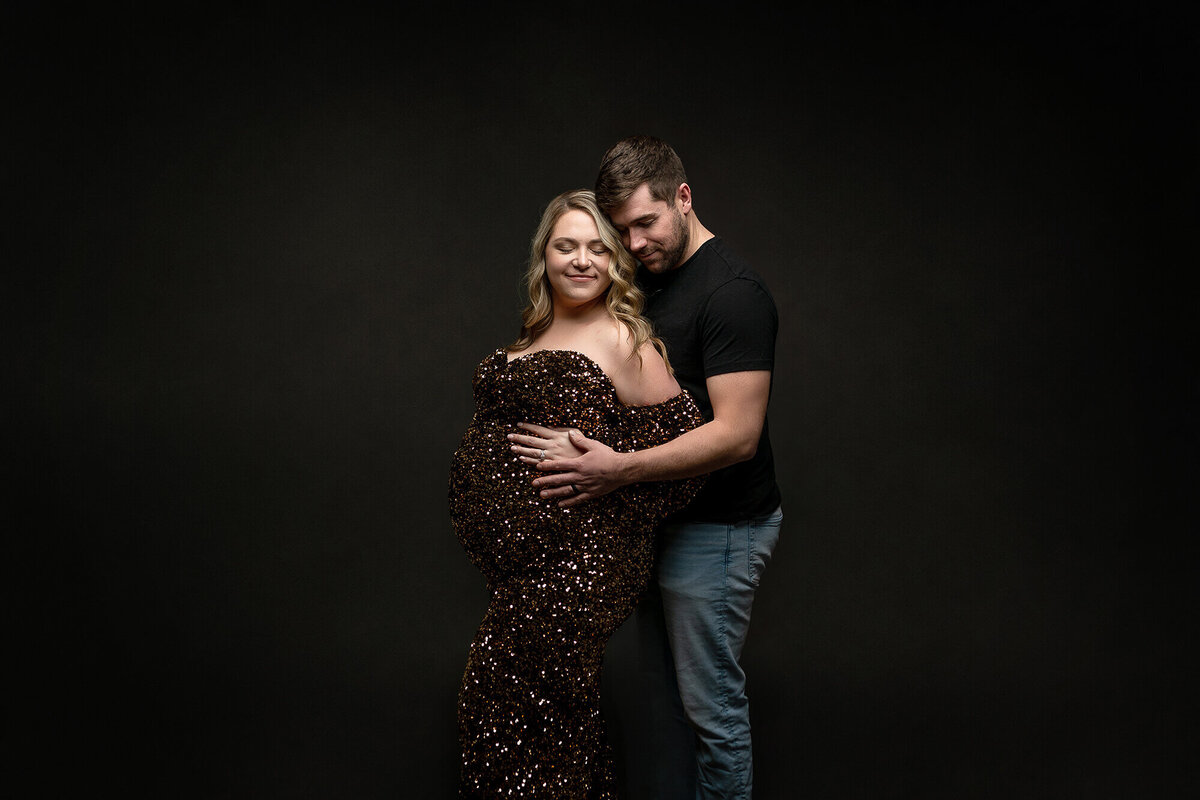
672	256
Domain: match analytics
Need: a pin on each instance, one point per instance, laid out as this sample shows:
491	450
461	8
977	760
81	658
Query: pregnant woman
561	580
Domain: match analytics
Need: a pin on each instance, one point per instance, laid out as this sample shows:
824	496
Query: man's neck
697	236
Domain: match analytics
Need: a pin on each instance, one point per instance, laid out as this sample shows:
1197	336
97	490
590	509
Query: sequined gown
561	580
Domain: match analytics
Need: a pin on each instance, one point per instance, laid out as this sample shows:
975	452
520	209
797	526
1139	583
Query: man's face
654	231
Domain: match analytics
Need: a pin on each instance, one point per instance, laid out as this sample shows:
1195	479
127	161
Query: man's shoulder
715	280
721	264
724	276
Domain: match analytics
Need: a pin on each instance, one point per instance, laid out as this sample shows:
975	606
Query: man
719	323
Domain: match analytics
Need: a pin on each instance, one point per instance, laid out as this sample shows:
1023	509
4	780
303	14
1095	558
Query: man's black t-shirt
716	316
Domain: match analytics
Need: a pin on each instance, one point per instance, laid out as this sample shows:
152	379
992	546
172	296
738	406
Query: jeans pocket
763	536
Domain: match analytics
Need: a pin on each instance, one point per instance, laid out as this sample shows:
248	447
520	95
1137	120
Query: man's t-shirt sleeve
738	325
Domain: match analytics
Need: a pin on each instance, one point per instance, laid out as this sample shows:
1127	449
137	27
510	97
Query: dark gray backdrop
256	255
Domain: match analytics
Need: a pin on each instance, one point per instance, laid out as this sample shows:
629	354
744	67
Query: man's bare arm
739	401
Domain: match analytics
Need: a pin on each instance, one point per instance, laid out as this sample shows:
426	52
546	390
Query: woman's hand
541	444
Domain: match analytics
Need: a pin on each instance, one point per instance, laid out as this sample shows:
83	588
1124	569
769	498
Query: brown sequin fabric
561	580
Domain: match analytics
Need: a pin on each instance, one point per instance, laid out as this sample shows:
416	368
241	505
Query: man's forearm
702	450
739	403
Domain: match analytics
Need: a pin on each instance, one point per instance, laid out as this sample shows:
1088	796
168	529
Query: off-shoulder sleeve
650	426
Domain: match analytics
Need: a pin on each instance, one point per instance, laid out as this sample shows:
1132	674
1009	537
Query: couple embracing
618	463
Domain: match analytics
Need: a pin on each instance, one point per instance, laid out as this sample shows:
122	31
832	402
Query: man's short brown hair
633	161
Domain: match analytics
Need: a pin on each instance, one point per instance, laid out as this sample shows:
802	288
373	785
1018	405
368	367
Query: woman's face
577	260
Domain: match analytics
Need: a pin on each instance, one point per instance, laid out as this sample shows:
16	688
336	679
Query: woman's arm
644	380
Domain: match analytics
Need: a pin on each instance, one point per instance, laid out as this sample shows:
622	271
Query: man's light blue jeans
691	629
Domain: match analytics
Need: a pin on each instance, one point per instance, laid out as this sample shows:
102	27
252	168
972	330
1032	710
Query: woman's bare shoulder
642	378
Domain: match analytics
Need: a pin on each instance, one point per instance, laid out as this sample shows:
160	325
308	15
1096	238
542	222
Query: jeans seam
727	717
751	542
724	629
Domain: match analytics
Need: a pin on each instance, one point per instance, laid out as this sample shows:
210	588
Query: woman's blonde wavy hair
624	299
